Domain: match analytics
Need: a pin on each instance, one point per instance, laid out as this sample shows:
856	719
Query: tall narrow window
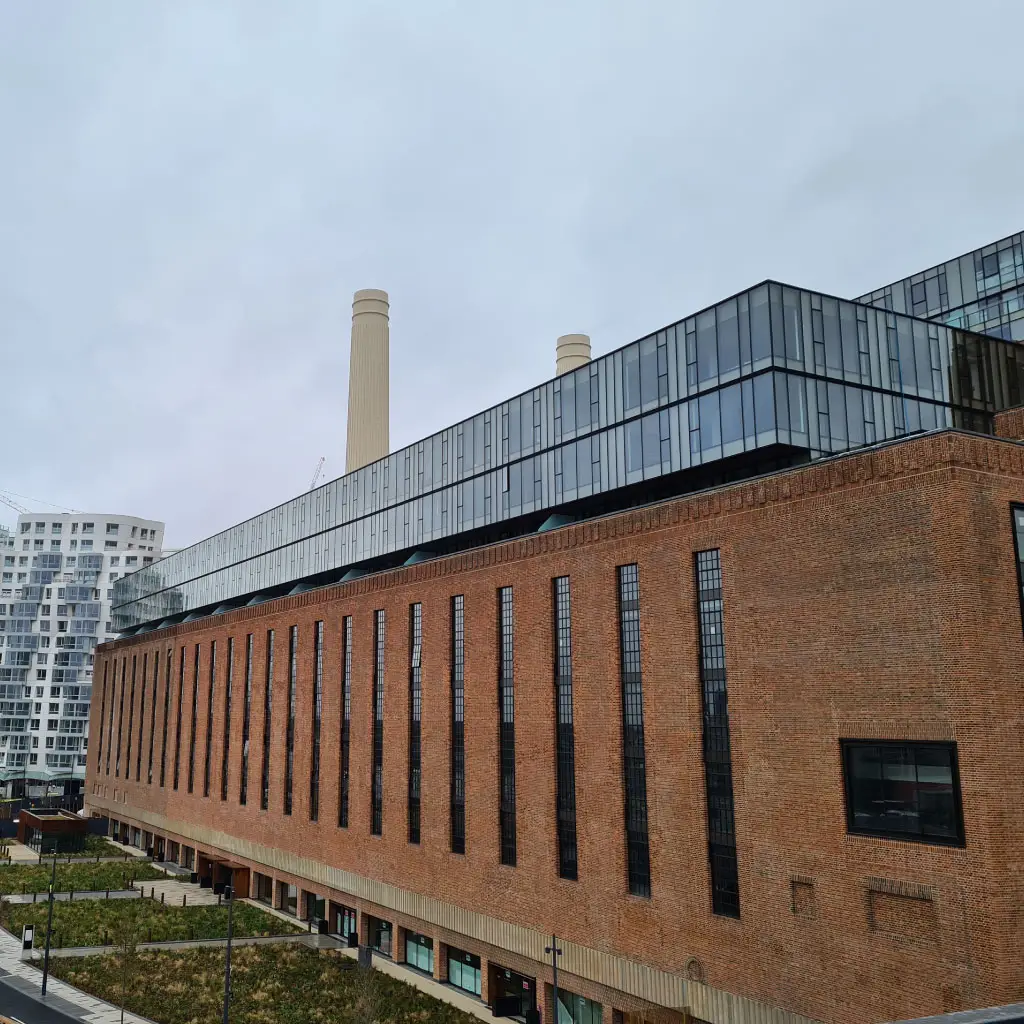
209	717
377	774
725	887
181	706
346	719
167	713
227	720
415	718
289	742
318	697
458	732
634	763
142	718
268	706
506	728
565	741
110	724
243	784
103	715
152	717
131	724
1017	511
192	724
120	718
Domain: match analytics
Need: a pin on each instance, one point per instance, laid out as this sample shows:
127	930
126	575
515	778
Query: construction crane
318	473
11	503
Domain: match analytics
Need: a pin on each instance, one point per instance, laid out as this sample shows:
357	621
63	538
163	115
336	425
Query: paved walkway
26	979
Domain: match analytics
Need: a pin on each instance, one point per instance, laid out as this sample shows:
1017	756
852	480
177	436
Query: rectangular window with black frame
377	767
181	710
346	719
192	724
903	790
120	706
167	714
268	709
243	772
103	716
565	741
226	746
458	727
142	720
415	717
209	717
725	888
152	717
289	740
506	729
131	719
634	761
1017	518
318	700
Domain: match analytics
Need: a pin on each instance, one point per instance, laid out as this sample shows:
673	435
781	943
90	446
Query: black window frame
346	721
243	770
210	696
193	723
1017	532
142	719
458	725
565	737
377	710
318	702
506	728
152	716
225	753
848	744
415	719
268	711
289	741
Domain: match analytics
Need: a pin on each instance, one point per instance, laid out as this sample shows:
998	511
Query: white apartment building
56	583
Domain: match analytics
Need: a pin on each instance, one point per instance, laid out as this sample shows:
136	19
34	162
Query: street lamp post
555	953
49	921
229	892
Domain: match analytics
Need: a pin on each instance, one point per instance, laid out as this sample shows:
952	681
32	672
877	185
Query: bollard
150	934
162	895
107	897
71	895
184	897
218	899
142	893
33	897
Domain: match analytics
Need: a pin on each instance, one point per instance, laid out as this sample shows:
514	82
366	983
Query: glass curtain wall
771	366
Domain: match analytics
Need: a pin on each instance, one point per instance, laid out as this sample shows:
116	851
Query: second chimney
571	352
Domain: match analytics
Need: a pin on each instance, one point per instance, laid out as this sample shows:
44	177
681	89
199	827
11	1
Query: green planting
98	922
18	878
273	984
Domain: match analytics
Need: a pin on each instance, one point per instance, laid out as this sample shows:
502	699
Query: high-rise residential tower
57	581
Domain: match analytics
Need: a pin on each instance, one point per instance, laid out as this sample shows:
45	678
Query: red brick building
871	597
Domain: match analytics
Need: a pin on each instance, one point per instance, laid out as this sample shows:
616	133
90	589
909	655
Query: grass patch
279	984
97	922
96	846
17	878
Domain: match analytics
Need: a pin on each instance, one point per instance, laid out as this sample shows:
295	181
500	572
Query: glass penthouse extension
774	375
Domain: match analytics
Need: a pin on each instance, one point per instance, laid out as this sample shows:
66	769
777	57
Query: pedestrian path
27	979
314	941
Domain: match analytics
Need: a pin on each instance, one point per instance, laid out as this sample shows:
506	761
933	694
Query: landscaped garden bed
18	878
276	984
92	922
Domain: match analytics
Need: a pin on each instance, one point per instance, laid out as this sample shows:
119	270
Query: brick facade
869	596
1010	424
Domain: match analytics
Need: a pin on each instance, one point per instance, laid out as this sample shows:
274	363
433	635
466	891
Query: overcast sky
191	192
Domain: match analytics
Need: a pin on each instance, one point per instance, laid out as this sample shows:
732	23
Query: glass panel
707	347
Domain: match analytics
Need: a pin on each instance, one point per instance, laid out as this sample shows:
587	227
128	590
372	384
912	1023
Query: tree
126	936
369	1001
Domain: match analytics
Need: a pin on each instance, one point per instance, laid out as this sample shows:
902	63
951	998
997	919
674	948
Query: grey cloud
191	192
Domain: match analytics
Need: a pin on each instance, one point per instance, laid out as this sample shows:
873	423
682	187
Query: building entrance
512	995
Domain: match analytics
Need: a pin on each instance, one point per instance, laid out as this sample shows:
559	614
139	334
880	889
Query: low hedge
92	922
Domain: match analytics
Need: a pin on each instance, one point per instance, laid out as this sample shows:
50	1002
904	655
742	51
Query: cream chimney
368	383
571	352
